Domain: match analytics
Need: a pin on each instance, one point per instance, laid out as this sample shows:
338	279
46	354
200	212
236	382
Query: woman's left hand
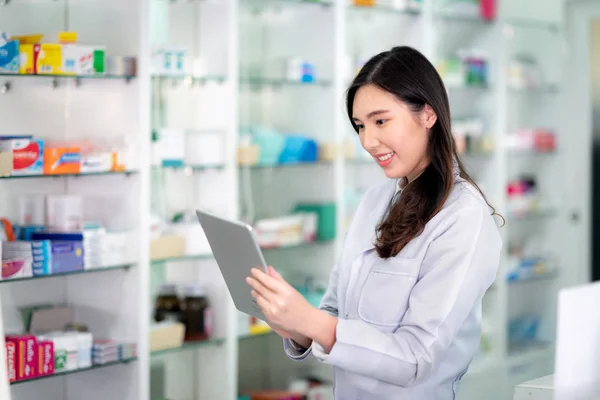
281	304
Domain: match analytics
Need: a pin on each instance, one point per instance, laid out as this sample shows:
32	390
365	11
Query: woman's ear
429	116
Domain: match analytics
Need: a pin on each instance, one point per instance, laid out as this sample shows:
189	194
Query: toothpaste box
28	154
26	355
45	358
62	160
11	361
9	55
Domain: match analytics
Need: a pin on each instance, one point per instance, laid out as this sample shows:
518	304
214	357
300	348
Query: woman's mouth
384	159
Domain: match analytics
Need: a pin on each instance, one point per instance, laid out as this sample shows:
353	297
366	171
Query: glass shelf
87	271
462	17
41	176
386	9
194	257
189	346
285	82
290	165
76	371
266	3
532	24
545	88
188	169
190	78
192	168
96	77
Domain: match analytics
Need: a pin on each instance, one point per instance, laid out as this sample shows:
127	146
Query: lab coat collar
376	214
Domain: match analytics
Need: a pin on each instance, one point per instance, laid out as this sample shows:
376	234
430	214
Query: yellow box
28	54
49	61
67	37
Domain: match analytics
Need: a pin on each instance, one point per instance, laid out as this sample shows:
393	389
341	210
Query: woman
401	318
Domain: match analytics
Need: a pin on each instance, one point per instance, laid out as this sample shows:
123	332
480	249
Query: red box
11	361
45	358
26	356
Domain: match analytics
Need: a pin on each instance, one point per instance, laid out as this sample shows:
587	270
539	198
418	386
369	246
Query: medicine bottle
167	306
197	313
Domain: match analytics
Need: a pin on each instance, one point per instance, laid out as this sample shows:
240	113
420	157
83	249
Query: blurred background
119	118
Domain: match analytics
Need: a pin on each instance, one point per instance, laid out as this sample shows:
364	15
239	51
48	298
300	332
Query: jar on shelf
196	313
167	306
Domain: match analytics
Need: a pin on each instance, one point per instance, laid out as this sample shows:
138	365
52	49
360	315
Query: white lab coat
409	326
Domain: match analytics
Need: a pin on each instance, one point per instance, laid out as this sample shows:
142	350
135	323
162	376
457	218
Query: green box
326	218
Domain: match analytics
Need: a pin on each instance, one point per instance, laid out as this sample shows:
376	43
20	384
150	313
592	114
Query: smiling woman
401	318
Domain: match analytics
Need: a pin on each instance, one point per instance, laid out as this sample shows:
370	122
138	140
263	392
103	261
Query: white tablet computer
236	251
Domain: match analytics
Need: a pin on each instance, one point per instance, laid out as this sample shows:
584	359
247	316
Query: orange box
62	160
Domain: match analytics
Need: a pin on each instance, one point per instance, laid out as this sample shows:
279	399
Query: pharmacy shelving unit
234	40
62	108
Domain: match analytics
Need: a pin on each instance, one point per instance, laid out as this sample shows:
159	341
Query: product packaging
67	251
26	355
9	55
49	60
83	59
45	358
27	153
62	160
11	361
28	54
84	349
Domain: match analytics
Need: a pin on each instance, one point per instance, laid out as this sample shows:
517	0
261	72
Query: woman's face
395	136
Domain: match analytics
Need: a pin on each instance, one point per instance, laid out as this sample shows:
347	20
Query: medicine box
49	60
9	55
83	60
45	358
62	160
11	361
28	58
17	269
27	154
26	355
66	249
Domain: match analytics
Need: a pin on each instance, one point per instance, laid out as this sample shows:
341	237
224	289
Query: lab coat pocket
384	298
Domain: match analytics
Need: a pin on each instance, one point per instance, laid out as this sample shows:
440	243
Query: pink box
26	355
11	361
45	358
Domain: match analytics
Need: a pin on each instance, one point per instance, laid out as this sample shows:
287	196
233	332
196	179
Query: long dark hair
407	74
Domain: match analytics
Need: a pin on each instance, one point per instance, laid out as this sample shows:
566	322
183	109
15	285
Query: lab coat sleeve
459	266
328	304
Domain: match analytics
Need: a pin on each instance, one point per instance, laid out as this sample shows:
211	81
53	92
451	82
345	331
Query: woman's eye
380	122
359	127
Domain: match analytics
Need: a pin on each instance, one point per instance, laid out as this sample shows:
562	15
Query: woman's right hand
281	332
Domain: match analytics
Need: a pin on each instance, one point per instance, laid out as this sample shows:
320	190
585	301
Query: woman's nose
369	140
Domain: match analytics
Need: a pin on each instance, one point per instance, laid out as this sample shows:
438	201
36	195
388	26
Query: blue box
9	55
66	252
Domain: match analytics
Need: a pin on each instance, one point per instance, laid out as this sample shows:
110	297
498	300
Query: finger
262	303
275	274
266	280
259	287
